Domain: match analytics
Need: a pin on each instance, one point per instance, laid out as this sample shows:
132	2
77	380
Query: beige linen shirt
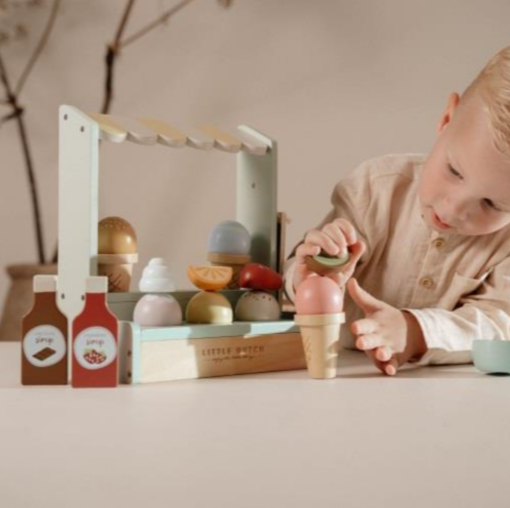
457	287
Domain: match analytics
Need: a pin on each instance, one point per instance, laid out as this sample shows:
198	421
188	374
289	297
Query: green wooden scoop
324	264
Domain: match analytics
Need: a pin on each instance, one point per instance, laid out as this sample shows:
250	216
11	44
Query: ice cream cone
235	261
118	268
320	334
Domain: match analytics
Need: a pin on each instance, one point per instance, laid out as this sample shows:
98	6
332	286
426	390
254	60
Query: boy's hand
334	238
388	336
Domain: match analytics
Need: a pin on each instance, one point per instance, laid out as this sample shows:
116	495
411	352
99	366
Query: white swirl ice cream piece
156	277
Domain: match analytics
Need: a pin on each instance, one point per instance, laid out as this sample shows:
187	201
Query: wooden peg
222	140
109	130
167	135
198	139
136	132
250	144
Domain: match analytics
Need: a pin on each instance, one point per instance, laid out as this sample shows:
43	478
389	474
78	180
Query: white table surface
434	437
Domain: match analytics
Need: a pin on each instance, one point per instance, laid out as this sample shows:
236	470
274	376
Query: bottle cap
96	285
45	284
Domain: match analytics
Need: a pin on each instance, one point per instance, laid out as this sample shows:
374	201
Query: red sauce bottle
44	348
95	340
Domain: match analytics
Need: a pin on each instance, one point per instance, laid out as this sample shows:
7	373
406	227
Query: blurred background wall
335	82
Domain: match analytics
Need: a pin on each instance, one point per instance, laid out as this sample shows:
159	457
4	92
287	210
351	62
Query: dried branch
4	78
115	47
123	23
8	117
111	53
17	112
159	21
38	49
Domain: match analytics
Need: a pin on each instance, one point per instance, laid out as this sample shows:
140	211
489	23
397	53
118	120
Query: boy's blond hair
493	84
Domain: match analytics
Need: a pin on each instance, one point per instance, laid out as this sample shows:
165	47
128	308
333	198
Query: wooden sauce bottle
95	340
44	348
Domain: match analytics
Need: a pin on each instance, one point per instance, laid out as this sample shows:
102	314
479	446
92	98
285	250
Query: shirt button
438	243
426	282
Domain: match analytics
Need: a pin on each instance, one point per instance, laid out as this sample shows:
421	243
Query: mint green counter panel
185	331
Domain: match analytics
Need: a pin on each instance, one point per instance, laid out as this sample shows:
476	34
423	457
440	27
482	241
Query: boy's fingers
348	230
357	250
370	341
336	235
323	240
380	365
391	367
384	353
364	326
306	249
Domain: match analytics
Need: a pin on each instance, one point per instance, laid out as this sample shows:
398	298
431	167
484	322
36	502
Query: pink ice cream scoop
319	295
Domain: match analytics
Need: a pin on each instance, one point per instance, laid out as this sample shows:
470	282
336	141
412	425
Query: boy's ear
446	117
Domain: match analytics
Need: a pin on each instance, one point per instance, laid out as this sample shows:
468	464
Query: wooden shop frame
256	209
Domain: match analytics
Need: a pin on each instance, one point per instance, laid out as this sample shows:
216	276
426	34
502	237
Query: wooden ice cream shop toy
185	351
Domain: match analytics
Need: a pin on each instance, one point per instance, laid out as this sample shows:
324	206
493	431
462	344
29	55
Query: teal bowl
492	356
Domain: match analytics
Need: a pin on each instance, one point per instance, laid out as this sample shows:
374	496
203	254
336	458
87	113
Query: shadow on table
419	373
356	365
415	372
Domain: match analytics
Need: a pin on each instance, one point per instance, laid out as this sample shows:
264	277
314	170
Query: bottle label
44	346
95	348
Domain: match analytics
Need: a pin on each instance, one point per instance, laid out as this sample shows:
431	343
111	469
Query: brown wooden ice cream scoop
116	236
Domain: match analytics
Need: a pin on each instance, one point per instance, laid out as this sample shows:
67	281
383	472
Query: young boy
429	237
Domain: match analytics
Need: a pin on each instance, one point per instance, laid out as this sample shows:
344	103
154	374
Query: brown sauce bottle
44	348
